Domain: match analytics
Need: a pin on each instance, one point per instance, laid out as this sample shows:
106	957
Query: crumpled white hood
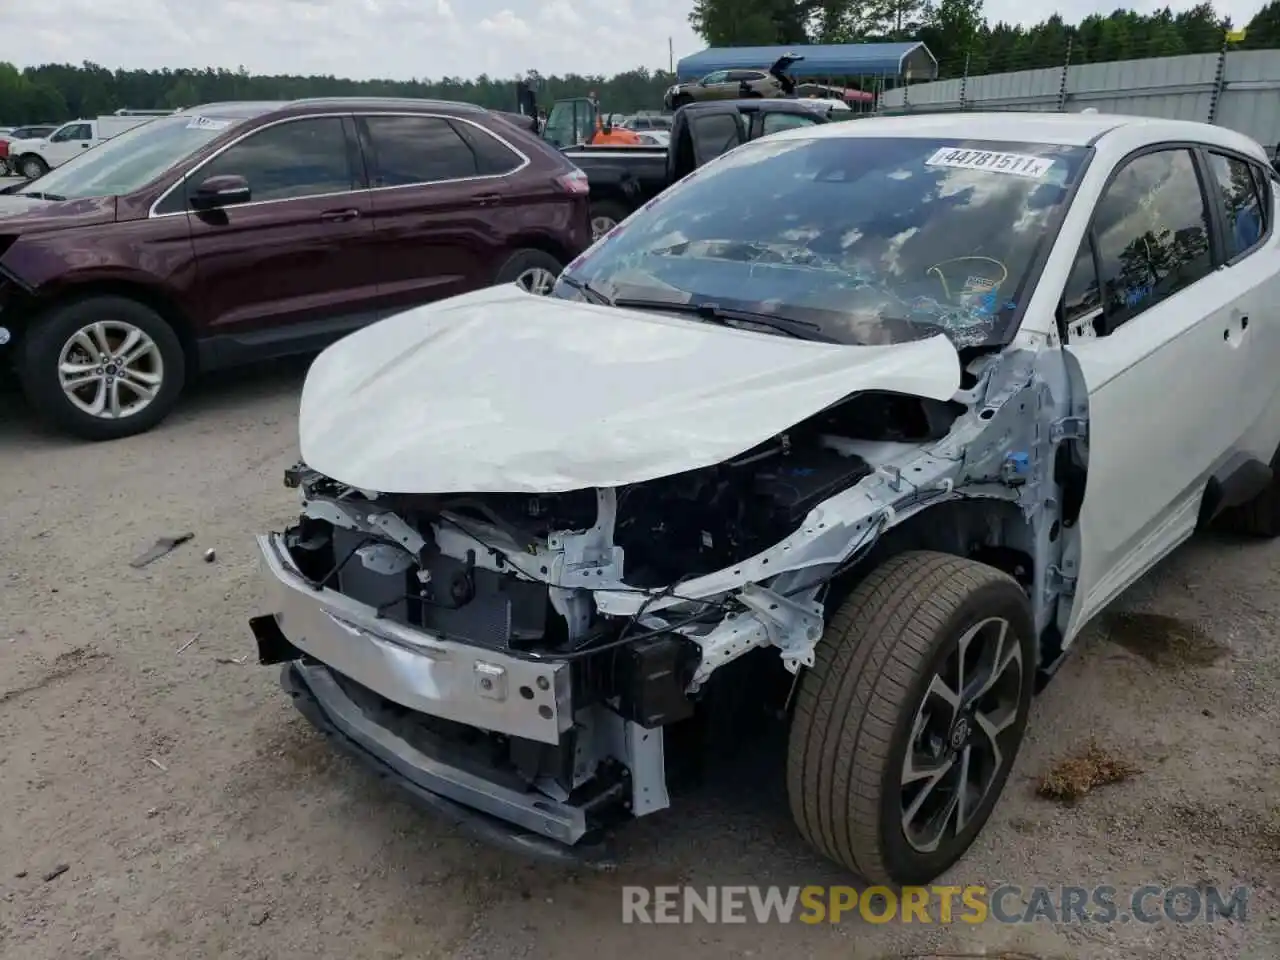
502	391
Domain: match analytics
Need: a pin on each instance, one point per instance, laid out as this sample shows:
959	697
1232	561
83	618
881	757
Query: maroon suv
242	231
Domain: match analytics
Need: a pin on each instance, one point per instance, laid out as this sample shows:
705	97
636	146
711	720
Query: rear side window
300	158
412	150
1242	196
493	157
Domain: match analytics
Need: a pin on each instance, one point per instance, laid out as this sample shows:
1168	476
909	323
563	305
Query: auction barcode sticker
1018	164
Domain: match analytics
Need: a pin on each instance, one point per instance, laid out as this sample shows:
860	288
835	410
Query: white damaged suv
887	410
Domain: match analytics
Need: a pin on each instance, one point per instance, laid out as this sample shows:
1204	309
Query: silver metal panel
1175	88
471	685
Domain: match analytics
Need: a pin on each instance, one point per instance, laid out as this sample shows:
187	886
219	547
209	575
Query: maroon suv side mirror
221	191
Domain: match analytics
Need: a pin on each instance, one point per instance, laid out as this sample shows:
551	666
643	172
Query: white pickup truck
34	158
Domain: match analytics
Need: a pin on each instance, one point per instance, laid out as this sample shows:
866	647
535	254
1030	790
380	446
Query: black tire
523	262
1259	517
610	210
43	343
856	708
31	166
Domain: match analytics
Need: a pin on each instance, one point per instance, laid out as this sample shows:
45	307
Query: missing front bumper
481	688
468	803
514	757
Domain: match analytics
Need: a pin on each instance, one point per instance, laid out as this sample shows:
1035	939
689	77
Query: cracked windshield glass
860	240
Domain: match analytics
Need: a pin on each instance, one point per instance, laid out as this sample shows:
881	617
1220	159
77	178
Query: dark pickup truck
622	178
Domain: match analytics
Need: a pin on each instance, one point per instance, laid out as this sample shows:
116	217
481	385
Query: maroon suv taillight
4	147
574	183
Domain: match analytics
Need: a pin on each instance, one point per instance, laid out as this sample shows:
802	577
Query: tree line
956	31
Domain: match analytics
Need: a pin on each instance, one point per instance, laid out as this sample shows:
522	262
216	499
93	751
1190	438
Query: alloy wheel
601	225
537	280
110	369
963	735
32	169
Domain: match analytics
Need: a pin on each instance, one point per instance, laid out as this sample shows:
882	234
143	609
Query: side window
1243	197
720	76
1152	233
773	122
715	134
413	150
78	131
1082	297
300	158
493	157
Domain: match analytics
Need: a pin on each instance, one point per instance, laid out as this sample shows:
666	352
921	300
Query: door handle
486	199
339	216
1240	323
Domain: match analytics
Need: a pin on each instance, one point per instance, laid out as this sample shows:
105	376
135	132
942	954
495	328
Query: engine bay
669	530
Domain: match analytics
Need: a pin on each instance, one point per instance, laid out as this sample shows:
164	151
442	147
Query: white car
885	410
34	157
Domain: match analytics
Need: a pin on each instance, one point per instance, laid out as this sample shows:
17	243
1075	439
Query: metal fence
1238	89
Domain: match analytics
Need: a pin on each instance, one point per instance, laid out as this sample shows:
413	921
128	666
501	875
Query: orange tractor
577	121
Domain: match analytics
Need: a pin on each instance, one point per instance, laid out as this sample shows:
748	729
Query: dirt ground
198	816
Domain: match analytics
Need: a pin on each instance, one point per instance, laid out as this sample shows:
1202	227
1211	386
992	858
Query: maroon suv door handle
339	216
486	199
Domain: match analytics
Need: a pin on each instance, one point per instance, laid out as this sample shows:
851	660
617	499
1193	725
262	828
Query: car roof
246	110
749	105
1063	129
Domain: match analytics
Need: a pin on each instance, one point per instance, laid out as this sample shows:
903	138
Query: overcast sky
398	39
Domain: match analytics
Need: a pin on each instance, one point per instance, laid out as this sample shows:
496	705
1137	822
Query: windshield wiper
730	316
588	291
43	196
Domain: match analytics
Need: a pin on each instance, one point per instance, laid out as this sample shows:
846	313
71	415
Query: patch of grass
1071	778
1163	640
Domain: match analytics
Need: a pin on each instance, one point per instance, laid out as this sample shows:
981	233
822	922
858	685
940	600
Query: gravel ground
198	816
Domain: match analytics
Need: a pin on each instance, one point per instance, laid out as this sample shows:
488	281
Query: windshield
568	123
869	240
131	160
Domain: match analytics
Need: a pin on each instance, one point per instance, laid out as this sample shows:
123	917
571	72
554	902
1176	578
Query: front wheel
32	167
532	270
102	368
907	725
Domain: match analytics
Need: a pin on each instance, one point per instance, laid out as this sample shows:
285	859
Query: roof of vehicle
751	105
820	60
384	103
235	109
247	109
1065	129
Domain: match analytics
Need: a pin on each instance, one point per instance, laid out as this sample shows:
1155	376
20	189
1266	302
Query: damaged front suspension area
467	629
